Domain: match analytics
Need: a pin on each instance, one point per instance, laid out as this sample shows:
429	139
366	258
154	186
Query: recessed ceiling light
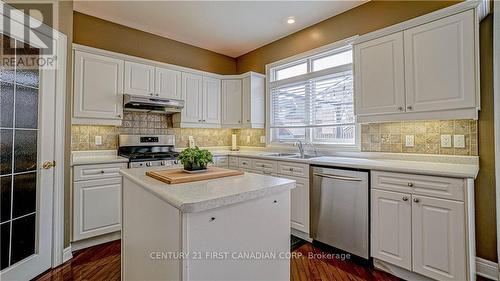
290	20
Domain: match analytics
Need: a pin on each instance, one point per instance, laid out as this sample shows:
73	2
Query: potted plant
195	159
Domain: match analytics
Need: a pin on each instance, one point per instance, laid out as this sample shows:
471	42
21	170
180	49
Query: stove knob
149	164
162	163
176	162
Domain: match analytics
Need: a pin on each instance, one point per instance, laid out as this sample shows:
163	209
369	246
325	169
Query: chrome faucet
300	145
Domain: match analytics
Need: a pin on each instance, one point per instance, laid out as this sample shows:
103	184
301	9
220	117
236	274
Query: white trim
445	12
486	268
496	110
90	242
60	106
67	254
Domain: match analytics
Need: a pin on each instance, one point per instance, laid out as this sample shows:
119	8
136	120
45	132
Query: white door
139	79
438	232
391	227
168	83
378	75
299	204
98	86
27	107
439	65
211	101
231	102
192	91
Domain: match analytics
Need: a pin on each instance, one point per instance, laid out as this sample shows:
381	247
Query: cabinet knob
410	184
416	200
291	169
275	201
119	116
212	219
405	198
199	120
409	107
239	121
248	120
400	108
102	171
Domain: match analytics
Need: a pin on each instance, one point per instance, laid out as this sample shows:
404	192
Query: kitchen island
233	228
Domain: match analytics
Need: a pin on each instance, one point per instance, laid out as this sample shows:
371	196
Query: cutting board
173	176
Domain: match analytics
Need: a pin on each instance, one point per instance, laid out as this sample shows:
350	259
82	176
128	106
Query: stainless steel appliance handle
337	177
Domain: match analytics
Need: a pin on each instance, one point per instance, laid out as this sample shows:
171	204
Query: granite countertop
458	170
96	157
209	194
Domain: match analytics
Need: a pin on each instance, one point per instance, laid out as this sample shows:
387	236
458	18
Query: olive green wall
102	34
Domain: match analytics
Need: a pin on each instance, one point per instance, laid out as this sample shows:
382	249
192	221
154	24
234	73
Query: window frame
309	57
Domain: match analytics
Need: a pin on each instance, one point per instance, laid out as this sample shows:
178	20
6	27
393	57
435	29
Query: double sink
288	155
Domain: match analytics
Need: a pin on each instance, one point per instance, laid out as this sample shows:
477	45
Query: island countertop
209	194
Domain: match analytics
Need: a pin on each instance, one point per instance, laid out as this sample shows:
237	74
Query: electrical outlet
248	139
98	140
445	140
459	141
262	139
410	141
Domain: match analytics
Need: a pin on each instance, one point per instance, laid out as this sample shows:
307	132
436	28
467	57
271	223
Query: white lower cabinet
96	201
299	215
438	235
391	227
423	234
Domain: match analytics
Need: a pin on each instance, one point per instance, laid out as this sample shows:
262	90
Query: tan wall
98	33
360	20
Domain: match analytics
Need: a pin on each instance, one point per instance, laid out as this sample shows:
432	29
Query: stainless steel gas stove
148	150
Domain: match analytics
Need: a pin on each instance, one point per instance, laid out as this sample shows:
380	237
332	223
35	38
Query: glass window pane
332	60
5	197
23	238
291	71
289	134
26	107
5	151
4	244
344	134
24	197
6	104
25	151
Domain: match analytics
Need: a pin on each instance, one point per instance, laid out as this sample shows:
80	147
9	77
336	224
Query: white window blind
314	107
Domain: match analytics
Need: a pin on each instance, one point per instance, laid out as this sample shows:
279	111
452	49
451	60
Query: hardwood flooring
102	262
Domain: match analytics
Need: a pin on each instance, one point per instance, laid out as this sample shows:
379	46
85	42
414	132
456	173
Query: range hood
152	104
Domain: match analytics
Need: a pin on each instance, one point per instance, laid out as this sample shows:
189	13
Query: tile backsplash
390	137
135	123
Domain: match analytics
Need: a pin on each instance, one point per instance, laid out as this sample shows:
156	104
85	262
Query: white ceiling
232	28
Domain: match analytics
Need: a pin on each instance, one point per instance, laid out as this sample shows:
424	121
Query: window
311	99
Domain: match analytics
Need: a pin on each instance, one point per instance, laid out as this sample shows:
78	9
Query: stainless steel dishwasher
339	209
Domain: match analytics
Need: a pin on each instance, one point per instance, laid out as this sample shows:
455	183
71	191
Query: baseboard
487	269
67	254
89	242
301	235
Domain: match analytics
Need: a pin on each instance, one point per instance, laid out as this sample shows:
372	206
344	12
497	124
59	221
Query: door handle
48	164
337	177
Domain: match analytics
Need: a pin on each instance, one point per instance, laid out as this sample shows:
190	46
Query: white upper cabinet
439	240
168	83
211	101
439	64
192	91
98	89
139	79
427	71
379	76
231	103
253	106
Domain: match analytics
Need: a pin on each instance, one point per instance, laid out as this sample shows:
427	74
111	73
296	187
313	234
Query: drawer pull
102	172
416	200
405	198
410	184
291	169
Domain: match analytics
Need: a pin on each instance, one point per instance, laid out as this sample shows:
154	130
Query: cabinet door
391	227
439	246
231	102
98	87
192	91
246	104
299	204
211	101
139	79
168	83
378	75
96	207
439	64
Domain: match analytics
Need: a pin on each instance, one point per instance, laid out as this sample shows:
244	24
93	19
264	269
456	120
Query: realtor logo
34	18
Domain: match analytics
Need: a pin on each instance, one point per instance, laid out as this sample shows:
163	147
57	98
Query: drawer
100	171
293	169
245	163
265	165
221	161
233	161
442	187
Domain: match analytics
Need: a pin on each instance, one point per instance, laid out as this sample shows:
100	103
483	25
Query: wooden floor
103	263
